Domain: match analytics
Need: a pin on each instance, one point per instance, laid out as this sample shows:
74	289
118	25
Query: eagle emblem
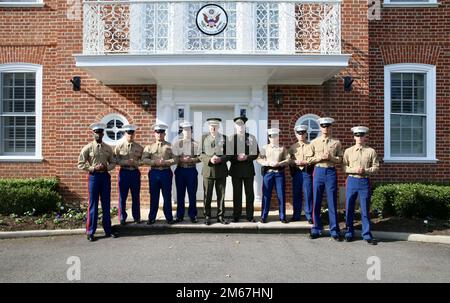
211	22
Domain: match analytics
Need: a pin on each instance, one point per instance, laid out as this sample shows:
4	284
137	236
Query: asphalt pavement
219	257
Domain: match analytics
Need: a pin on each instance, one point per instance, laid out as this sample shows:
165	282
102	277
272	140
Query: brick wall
412	35
46	36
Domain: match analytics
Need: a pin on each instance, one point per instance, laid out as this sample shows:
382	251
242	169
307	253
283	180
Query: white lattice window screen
194	40
267	26
18	113
408	114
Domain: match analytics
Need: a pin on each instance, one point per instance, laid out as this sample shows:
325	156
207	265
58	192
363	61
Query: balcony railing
254	27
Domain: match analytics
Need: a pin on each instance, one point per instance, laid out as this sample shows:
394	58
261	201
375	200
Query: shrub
412	200
29	196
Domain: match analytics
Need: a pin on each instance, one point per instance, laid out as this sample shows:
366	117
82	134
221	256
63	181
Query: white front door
226	113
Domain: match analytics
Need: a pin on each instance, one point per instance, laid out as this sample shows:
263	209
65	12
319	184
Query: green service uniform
214	175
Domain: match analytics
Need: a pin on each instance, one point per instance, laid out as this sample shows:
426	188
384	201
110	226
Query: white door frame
252	97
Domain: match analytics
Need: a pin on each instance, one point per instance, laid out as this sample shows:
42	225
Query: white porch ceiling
226	69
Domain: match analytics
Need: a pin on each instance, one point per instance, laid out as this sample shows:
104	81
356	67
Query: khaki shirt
360	157
94	154
322	145
271	153
299	151
186	147
158	151
126	151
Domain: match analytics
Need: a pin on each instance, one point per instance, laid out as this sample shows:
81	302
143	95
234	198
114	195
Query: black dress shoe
371	242
313	236
137	221
310	221
178	220
207	221
194	220
223	221
336	238
284	221
235	220
91	238
252	220
171	222
263	220
295	219
123	222
348	239
113	234
150	222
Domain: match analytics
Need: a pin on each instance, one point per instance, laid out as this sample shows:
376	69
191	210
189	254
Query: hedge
412	200
29	195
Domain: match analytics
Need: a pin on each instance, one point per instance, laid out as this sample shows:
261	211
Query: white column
258	128
165	109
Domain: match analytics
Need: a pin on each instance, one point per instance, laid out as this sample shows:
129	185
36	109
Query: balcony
272	41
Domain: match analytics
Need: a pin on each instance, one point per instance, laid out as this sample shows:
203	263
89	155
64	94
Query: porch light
146	99
76	83
278	98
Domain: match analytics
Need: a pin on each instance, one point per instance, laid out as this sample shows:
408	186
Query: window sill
410	5
21	159
21	4
411	160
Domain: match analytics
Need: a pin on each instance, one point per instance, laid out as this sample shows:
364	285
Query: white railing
169	27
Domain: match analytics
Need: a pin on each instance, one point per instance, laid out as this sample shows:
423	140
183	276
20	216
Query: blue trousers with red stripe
358	187
160	181
186	179
271	180
325	179
302	181
130	180
99	185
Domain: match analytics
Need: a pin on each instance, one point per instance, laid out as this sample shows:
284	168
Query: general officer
186	152
128	155
359	162
97	158
301	173
160	157
242	170
273	159
215	171
326	153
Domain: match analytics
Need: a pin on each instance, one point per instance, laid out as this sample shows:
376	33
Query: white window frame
308	117
430	91
106	119
31	3
37	69
411	3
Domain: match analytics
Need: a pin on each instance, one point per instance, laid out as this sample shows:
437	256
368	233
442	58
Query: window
410	112
113	132
20	112
406	3
267	26
310	120
21	3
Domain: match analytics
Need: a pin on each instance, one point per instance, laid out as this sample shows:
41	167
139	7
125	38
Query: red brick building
298	52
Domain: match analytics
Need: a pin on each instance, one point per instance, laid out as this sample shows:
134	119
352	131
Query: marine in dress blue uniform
128	155
301	173
359	162
273	159
326	153
97	159
186	152
160	157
